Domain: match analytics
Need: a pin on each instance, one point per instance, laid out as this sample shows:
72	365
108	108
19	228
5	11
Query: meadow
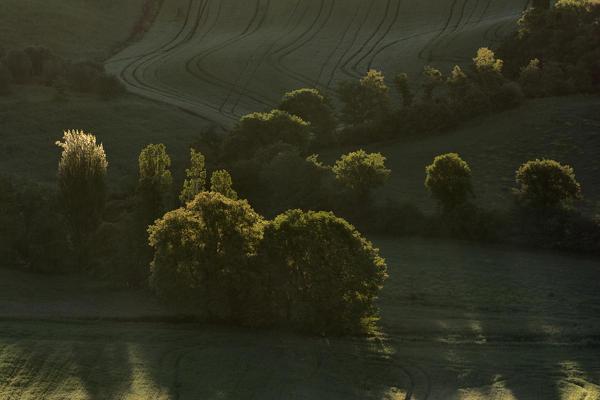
458	321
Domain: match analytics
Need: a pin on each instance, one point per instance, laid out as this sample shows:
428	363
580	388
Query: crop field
458	322
225	58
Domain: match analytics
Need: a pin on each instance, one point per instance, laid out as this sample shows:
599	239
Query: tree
449	180
314	107
154	180
547	184
543	4
258	130
363	101
530	78
196	177
361	172
488	70
323	275
202	256
433	79
82	184
401	83
220	182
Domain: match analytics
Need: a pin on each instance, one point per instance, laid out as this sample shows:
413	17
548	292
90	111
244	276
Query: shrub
361	172
220	182
313	107
365	100
401	83
19	64
546	184
202	257
53	68
433	78
323	275
154	179
108	86
449	180
82	184
258	130
196	177
82	76
37	55
530	78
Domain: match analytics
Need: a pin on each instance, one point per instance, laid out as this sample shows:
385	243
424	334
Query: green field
458	322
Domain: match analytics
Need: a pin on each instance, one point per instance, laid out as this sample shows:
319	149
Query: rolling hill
222	59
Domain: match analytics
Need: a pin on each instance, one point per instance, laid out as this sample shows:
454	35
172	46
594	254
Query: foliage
19	64
565	39
202	256
82	76
365	100
314	107
82	181
546	184
108	86
361	172
433	78
323	275
401	83
220	182
448	179
258	130
195	177
155	180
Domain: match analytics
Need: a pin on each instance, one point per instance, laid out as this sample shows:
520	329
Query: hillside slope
225	58
77	29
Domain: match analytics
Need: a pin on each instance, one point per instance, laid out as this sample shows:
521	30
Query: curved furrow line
163	91
381	39
366	42
236	85
281	67
440	32
444	35
205	75
145	89
337	47
470	18
265	56
341	59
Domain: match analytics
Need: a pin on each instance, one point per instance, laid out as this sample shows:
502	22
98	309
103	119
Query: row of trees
37	64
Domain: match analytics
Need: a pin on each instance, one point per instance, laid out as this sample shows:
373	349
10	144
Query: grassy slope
565	129
458	322
80	29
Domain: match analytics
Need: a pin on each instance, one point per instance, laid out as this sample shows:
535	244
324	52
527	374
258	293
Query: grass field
77	29
458	322
225	58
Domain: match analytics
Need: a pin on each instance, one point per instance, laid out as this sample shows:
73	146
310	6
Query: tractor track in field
364	36
381	38
293	47
357	53
349	48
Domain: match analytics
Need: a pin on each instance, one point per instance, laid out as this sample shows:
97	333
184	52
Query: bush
154	181
220	182
82	183
365	100
449	181
259	130
37	55
546	184
19	65
108	86
53	68
196	178
82	76
361	172
313	107
202	257
323	275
